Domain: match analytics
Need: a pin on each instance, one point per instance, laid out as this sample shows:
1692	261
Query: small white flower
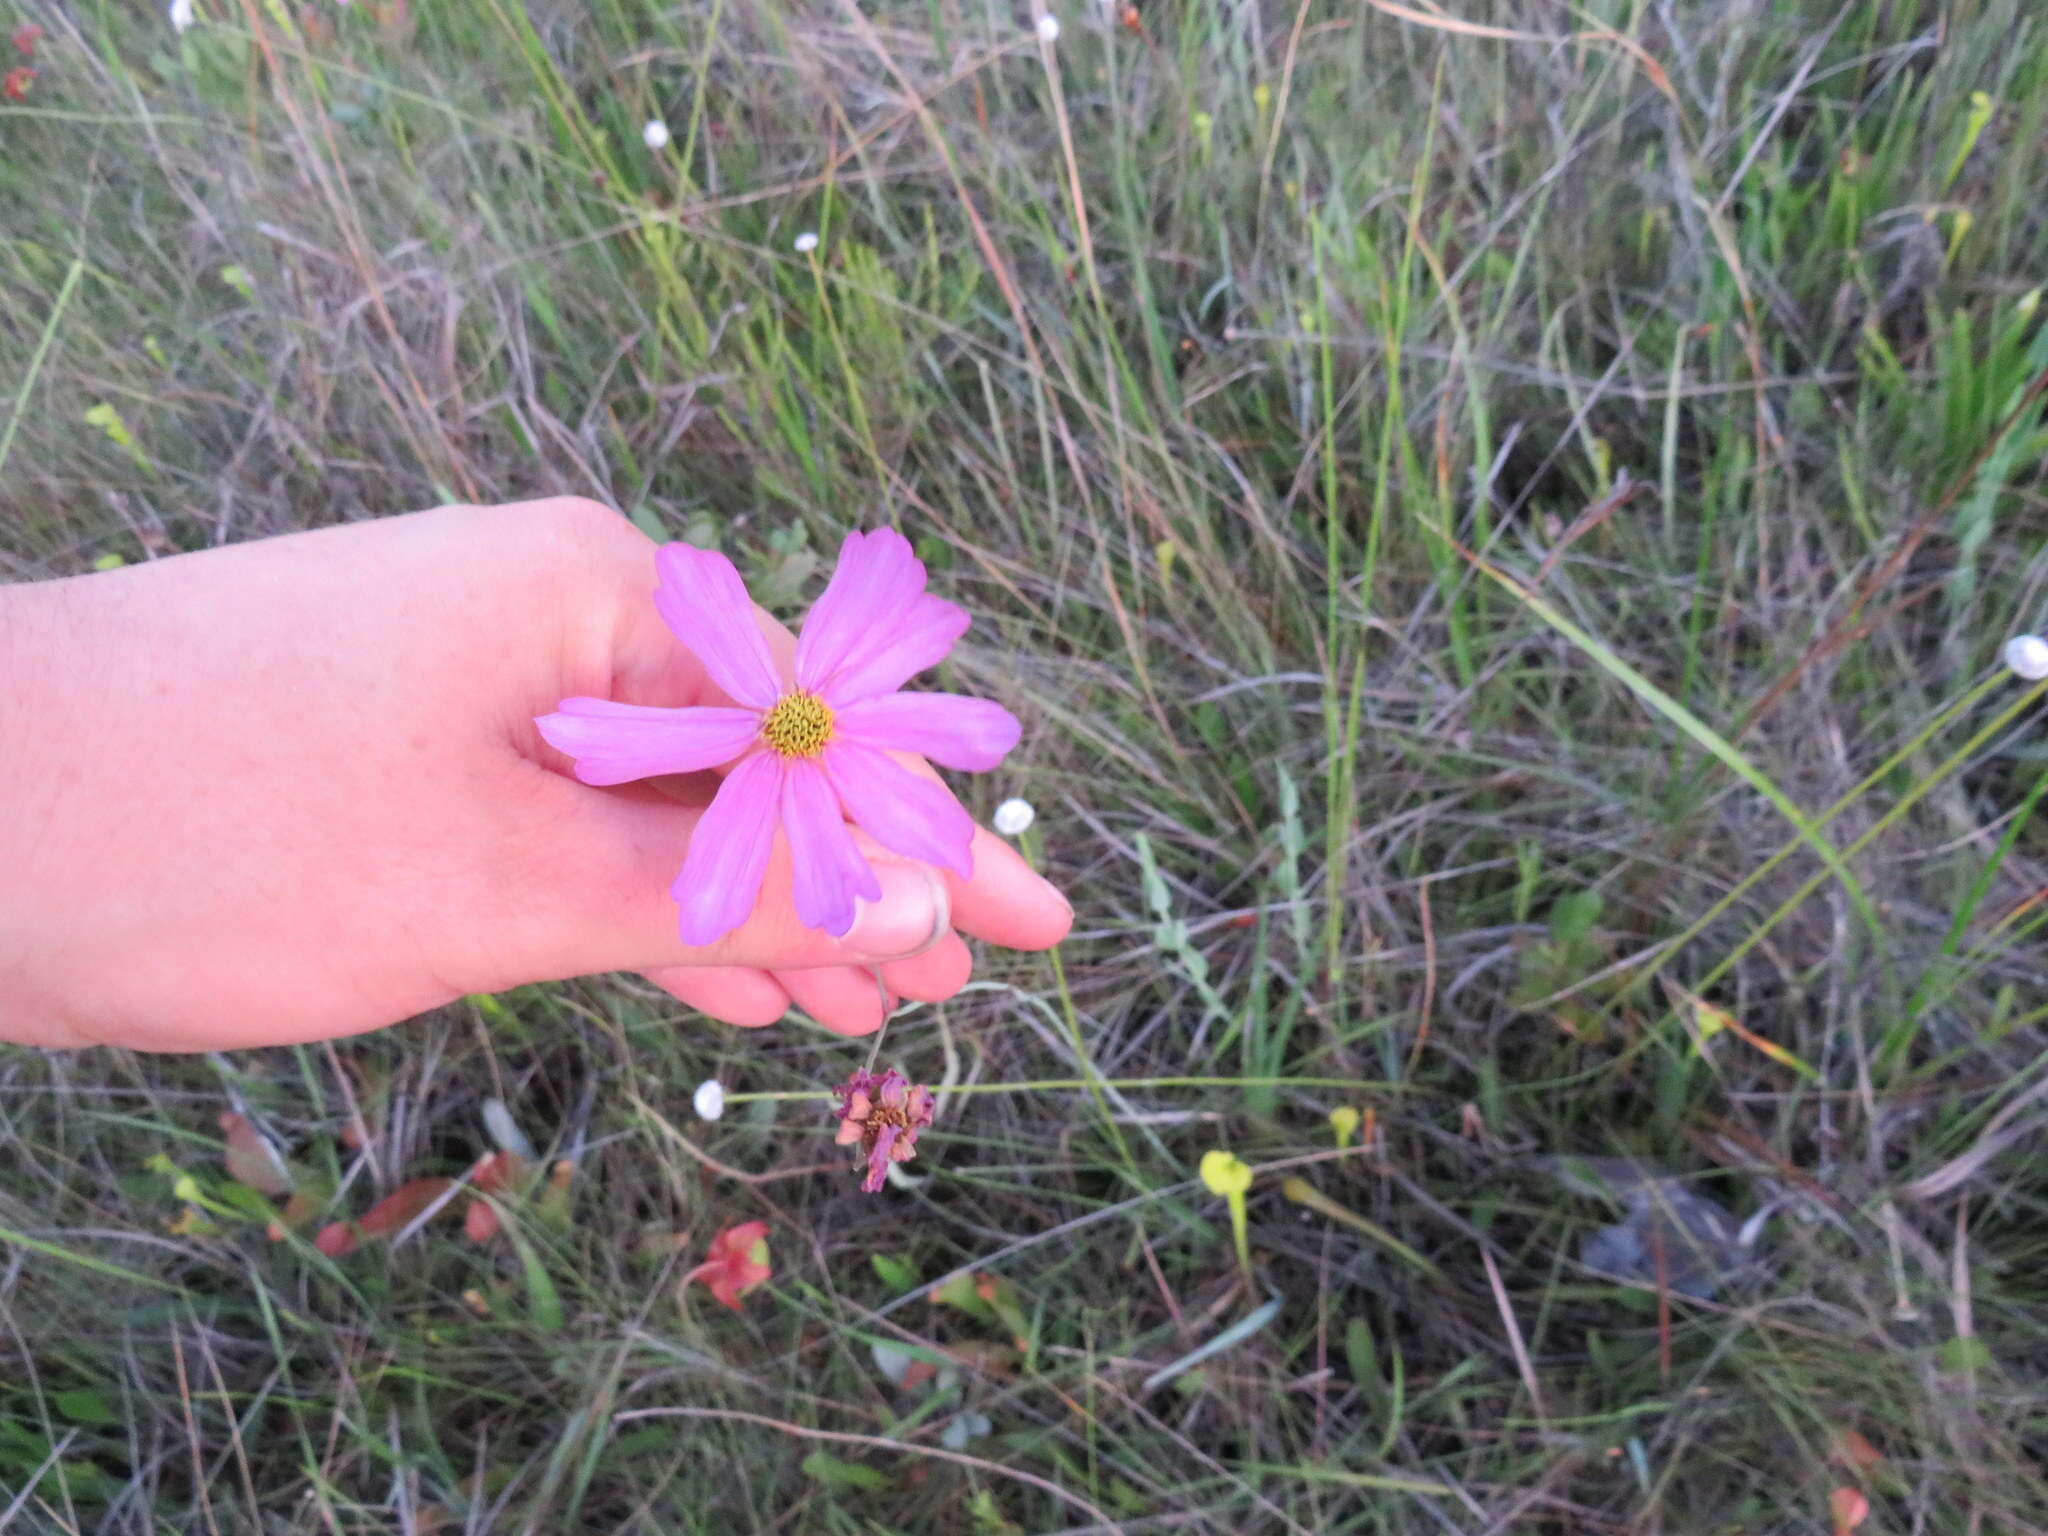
1013	818
806	242
2028	656
709	1100
1048	28
655	134
181	14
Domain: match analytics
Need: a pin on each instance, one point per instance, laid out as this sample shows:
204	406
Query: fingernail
909	917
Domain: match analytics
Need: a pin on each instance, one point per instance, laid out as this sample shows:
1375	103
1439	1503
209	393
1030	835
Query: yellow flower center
799	725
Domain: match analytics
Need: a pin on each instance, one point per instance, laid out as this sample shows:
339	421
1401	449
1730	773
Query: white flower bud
1013	818
655	134
1048	28
2027	655
181	14
806	242
709	1100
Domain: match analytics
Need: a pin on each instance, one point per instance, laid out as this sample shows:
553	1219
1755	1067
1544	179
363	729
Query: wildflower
736	1263
709	1099
1225	1174
1343	1124
1048	28
26	36
655	134
181	14
811	748
806	242
2027	655
884	1114
15	83
1013	818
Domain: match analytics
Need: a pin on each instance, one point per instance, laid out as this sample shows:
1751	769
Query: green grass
1501	547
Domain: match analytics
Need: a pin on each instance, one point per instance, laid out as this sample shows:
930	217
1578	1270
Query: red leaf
1849	1508
1855	1452
303	1206
496	1172
26	36
335	1239
252	1160
402	1206
479	1222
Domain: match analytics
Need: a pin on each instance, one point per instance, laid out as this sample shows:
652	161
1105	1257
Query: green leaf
1960	1356
1359	1353
543	1301
649	522
85	1405
897	1272
1572	917
834	1473
960	1292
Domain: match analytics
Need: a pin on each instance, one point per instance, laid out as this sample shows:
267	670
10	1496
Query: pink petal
728	854
874	628
617	743
705	605
950	729
876	572
826	870
904	813
901	646
848	1133
878	1160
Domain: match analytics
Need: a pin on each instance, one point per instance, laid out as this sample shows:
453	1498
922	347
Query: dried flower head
883	1113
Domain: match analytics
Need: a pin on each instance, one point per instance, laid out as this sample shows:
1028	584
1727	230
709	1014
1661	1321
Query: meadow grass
1499	522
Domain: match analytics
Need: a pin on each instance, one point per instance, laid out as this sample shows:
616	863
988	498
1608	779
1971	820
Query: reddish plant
736	1263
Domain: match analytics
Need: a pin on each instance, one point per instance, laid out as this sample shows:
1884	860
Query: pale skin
291	790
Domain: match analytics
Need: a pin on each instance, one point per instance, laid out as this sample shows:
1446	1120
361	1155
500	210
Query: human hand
292	789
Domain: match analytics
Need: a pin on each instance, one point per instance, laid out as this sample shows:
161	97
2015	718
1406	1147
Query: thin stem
1054	1084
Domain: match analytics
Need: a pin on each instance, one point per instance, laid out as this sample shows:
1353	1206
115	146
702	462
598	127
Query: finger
933	976
732	994
845	999
1006	902
608	858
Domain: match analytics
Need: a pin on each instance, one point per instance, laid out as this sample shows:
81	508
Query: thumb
614	853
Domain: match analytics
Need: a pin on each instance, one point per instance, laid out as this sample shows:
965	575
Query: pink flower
736	1263
884	1114
811	748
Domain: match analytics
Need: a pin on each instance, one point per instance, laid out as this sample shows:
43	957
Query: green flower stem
1054	1084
